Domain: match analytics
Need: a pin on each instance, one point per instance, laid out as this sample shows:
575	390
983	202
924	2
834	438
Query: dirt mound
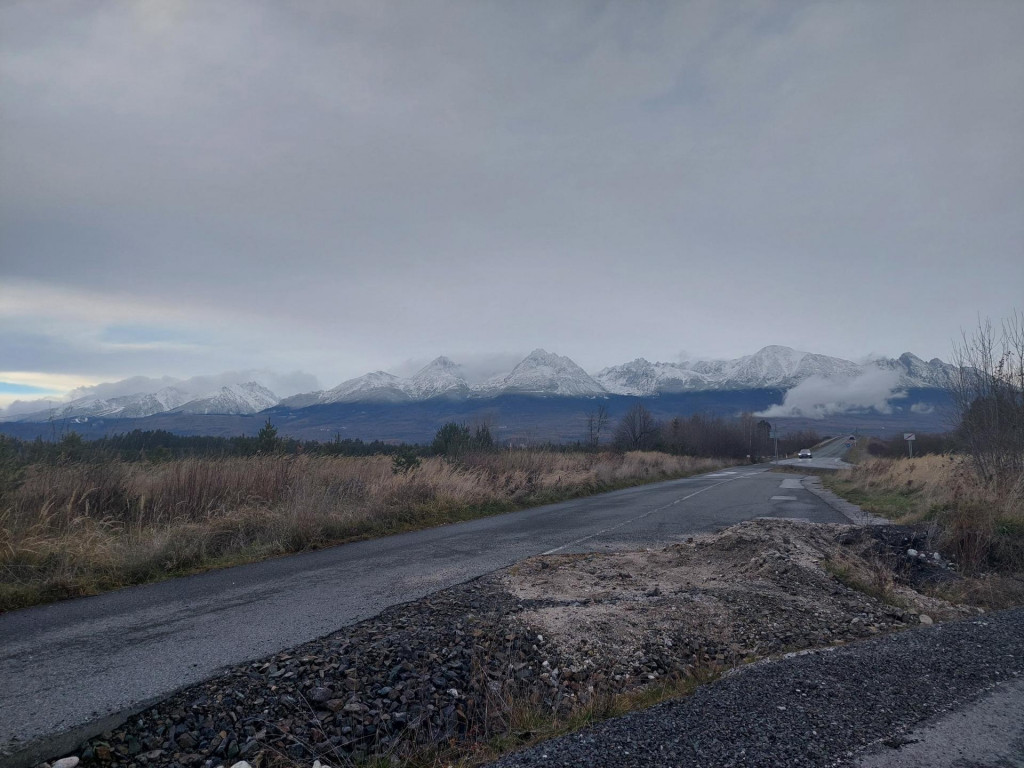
756	589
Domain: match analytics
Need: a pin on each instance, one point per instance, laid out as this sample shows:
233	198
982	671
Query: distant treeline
160	445
700	435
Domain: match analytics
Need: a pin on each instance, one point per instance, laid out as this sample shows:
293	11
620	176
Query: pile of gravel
420	673
441	668
423	673
813	709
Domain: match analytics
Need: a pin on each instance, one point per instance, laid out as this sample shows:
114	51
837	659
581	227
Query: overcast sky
338	187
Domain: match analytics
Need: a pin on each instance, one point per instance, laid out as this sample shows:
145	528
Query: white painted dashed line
648	513
783	498
791	484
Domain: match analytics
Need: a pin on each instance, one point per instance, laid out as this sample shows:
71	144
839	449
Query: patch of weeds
892	504
876	581
992	592
530	725
527	724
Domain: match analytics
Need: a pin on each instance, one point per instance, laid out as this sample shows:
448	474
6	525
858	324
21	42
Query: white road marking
638	517
783	498
790	483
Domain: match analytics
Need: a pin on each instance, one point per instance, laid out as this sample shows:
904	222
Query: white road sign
909	436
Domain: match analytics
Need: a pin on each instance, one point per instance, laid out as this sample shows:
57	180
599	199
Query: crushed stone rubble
808	710
553	631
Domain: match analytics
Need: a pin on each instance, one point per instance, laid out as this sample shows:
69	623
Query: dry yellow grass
977	523
83	528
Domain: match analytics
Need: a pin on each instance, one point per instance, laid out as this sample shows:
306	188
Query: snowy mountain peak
236	399
440	362
773	366
379	386
542	372
644	378
440	377
778	351
915	372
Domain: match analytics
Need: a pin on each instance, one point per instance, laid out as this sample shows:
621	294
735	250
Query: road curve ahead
68	666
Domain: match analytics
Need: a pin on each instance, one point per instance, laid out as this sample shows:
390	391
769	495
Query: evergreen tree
267	440
452	440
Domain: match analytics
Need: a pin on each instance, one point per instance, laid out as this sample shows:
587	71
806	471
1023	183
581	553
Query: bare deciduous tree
638	430
597	421
988	395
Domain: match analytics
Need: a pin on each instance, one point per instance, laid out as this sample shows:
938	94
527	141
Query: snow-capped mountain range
233	393
545	373
540	373
774	366
249	397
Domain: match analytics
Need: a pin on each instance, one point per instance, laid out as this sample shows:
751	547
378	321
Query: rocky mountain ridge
540	373
232	399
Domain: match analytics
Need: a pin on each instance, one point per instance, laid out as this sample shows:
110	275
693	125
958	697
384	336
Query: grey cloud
283	385
818	397
605	180
34	351
29	406
130	386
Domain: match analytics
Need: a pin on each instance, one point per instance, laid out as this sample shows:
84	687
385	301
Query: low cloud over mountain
817	397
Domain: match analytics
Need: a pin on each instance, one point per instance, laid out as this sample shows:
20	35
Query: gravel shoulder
810	709
987	733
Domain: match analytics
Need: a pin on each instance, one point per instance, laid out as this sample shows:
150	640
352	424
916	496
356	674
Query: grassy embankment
84	528
977	526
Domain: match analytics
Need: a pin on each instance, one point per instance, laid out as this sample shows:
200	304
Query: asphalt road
828	455
68	668
985	733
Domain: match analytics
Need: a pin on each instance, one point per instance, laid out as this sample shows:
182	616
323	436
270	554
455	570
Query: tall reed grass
82	528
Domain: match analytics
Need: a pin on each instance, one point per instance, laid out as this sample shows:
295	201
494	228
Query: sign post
910	437
774	434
